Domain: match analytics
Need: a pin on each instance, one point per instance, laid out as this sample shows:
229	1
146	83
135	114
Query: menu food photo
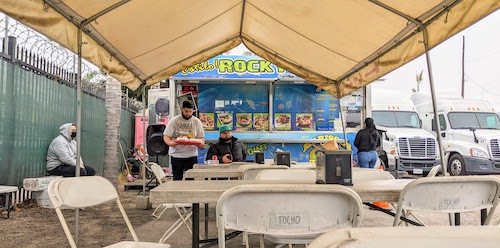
225	119
207	120
282	121
244	121
261	121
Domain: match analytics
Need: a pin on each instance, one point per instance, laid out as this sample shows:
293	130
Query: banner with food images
300	152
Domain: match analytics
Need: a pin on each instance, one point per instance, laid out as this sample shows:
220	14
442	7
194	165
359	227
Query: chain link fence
35	52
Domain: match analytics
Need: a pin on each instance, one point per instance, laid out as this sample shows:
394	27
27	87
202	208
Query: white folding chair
295	176
374	174
287	213
410	237
450	195
251	171
180	208
285	176
435	170
432	173
242	165
84	192
371	174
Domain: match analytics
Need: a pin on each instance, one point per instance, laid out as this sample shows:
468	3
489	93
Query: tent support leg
434	103
78	122
342	116
145	144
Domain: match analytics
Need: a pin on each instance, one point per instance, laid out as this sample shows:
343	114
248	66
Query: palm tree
419	78
112	135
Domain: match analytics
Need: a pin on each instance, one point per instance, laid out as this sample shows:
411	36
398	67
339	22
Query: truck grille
417	148
495	148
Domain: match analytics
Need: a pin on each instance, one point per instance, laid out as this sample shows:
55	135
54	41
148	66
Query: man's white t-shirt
179	127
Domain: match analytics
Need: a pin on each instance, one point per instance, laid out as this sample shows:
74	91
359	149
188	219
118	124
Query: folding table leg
196	226
206	220
484	213
8	204
457	219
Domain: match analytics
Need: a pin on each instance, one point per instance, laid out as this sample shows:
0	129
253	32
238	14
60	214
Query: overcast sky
482	65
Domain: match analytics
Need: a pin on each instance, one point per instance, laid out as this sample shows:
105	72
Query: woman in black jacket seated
228	149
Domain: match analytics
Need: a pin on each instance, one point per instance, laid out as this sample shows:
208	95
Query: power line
489	55
472	80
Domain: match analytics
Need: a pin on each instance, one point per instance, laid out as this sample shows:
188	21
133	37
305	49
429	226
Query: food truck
267	107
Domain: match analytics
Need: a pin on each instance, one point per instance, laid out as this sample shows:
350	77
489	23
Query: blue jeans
367	159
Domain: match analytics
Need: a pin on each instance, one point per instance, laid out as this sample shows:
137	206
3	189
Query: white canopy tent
336	45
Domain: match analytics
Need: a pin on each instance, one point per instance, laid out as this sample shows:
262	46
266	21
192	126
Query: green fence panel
32	108
6	120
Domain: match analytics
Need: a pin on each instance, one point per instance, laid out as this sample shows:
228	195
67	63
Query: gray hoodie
62	150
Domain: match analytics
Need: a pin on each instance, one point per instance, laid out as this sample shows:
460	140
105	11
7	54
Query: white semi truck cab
408	147
470	131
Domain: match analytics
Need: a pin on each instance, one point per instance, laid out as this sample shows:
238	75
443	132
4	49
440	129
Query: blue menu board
327	110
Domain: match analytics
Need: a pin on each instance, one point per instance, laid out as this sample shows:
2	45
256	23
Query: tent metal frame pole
103	12
242	16
78	122
423	28
104	44
146	160
342	116
270	98
434	14
434	102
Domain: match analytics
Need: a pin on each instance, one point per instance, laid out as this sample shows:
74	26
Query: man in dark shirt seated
228	149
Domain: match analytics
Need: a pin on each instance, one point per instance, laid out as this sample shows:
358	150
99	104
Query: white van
470	131
408	147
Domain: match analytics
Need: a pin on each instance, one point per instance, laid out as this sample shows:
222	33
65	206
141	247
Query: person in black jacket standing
228	149
366	141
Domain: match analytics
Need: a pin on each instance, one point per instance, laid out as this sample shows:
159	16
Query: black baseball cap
188	104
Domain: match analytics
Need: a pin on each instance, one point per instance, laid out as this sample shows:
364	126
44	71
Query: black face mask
226	140
185	117
73	135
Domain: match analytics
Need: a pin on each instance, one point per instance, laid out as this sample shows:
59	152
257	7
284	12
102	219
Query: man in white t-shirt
184	125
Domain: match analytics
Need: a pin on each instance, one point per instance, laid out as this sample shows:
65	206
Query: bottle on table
215	160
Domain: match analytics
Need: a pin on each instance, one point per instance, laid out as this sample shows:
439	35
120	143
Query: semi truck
407	146
470	131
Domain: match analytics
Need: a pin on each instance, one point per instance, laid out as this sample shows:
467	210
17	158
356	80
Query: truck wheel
456	165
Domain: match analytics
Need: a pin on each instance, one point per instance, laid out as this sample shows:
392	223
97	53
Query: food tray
188	142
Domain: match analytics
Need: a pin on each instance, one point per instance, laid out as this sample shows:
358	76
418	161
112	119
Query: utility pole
463	65
5	38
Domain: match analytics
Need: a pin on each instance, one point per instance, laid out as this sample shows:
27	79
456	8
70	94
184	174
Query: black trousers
179	165
69	171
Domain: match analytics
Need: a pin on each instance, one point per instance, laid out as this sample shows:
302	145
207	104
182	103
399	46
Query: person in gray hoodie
61	155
